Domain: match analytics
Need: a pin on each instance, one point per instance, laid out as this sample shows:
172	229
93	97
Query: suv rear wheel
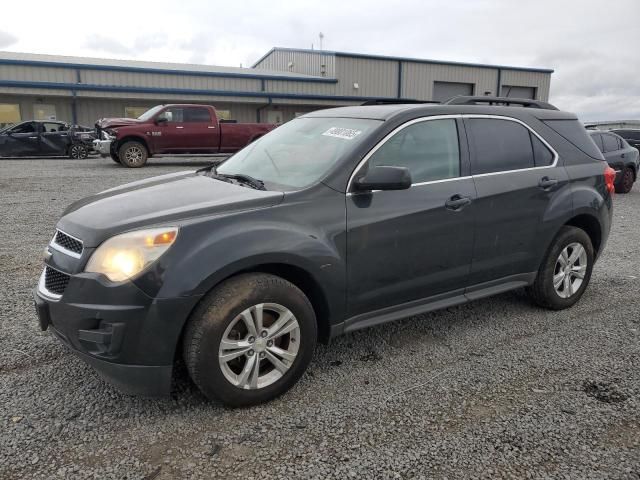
250	340
565	271
133	154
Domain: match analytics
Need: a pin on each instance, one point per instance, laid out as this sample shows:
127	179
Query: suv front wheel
250	340
565	271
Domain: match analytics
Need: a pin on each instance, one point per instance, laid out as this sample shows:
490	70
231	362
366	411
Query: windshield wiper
227	177
246	179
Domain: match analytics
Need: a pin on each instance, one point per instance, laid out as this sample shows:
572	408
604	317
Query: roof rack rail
393	101
499	101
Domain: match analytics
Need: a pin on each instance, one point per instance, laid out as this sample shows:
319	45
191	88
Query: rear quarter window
575	133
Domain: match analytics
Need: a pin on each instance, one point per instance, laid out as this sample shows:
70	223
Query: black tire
216	313
133	154
114	157
626	181
543	291
78	151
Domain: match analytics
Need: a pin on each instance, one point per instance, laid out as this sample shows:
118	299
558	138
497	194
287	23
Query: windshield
149	114
298	153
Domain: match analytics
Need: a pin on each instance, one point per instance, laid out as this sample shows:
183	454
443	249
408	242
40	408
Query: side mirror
161	120
384	178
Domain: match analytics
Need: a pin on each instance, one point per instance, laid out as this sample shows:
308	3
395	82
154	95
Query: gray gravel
497	388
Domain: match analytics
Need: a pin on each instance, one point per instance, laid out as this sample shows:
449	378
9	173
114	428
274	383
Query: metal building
282	84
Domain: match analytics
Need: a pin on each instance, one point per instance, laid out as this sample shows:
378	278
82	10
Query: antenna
321	36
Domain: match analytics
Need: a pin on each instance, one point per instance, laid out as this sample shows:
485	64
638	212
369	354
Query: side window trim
399	128
532	132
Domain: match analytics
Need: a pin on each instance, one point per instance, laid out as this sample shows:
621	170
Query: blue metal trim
399	78
179	91
74	108
499	89
119	68
404	59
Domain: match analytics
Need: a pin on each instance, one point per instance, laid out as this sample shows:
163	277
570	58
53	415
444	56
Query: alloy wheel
259	346
570	270
133	155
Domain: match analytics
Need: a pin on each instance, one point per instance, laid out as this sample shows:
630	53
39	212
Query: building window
223	114
43	111
9	114
134	112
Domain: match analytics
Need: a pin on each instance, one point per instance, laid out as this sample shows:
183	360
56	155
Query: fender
132	137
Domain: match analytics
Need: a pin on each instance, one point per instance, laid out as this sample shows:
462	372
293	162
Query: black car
620	156
37	138
338	220
631	136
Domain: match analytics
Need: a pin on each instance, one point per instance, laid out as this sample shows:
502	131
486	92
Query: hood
163	200
116	122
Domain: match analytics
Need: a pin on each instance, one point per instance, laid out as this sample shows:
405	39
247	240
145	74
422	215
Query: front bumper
129	338
103	147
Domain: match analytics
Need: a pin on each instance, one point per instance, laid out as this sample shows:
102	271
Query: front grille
55	281
67	242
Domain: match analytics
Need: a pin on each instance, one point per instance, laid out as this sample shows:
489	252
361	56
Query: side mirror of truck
161	120
384	178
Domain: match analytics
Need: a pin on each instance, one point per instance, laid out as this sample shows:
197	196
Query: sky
591	44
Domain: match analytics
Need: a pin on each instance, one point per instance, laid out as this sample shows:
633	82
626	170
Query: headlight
126	255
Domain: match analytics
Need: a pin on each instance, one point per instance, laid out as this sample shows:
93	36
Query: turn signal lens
124	256
609	179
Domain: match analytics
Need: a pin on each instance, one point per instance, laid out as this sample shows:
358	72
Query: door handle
178	126
457	202
546	182
211	126
33	138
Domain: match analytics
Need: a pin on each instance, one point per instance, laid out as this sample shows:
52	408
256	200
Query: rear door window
610	143
597	138
197	115
428	149
541	154
500	145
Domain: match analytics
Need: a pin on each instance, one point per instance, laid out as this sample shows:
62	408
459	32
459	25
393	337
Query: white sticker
344	133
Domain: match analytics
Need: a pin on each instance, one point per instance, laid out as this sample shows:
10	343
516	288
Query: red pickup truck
172	129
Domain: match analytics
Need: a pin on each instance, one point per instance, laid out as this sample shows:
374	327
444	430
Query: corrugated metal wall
418	78
541	81
307	63
374	78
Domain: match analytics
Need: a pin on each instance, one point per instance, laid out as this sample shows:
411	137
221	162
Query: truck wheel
133	154
565	271
250	339
626	181
78	151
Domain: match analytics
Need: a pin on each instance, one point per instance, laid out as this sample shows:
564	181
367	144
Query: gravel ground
496	388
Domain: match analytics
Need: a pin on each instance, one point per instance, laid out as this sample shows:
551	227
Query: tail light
609	178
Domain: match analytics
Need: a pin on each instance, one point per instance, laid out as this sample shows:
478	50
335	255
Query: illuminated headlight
128	254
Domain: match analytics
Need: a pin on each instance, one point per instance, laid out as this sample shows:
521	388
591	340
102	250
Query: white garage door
445	90
518	92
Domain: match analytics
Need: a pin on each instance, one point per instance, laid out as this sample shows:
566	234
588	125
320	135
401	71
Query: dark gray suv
338	220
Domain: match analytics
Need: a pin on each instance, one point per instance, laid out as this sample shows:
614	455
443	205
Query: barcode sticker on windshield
344	133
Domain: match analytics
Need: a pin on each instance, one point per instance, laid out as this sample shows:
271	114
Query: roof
36	59
386	112
400	59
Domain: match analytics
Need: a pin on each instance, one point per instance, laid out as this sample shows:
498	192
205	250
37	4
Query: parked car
630	135
620	156
46	138
174	129
338	220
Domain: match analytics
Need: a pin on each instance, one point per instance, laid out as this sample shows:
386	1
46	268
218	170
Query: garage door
518	92
445	90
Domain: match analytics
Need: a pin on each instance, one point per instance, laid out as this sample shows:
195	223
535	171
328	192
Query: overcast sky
591	44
